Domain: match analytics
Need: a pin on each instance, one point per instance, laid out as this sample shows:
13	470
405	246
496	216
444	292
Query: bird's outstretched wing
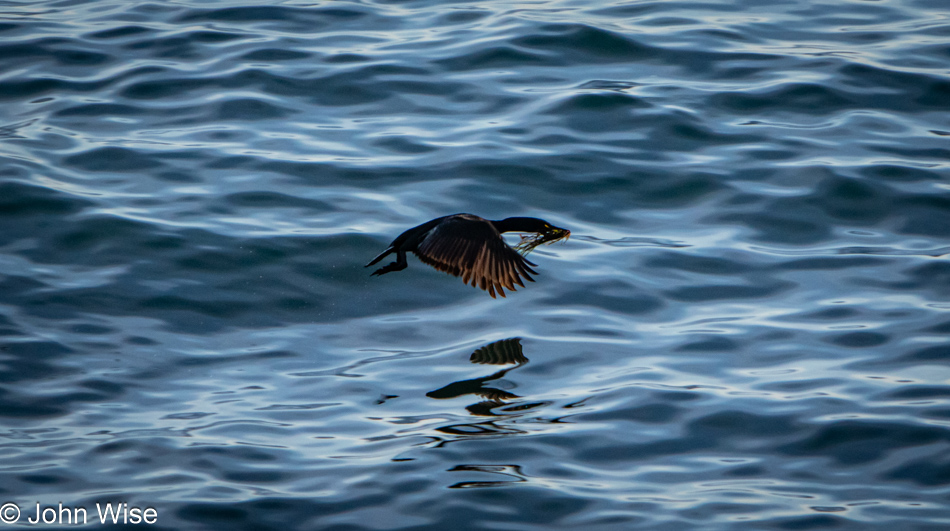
473	249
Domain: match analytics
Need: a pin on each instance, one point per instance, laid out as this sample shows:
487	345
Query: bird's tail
382	255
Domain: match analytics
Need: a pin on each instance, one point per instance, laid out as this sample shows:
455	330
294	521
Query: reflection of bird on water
500	353
471	247
504	352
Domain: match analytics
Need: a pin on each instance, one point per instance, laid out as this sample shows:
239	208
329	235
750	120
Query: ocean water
748	328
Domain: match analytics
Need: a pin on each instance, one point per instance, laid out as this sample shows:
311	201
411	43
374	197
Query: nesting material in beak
530	241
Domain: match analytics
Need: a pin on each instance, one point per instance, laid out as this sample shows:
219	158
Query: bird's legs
398	265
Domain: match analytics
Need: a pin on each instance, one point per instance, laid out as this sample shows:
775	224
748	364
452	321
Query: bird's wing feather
473	250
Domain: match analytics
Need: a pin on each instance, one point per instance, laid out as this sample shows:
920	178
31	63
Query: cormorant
471	247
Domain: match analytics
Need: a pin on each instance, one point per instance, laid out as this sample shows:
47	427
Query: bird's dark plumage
471	247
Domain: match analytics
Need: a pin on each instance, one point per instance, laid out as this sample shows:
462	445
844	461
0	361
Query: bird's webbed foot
395	266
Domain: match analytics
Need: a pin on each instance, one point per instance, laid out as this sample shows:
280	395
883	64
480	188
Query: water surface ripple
747	330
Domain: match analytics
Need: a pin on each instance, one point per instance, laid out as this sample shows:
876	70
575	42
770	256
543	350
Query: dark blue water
748	328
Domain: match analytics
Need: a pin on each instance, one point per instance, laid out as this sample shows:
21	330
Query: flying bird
467	246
